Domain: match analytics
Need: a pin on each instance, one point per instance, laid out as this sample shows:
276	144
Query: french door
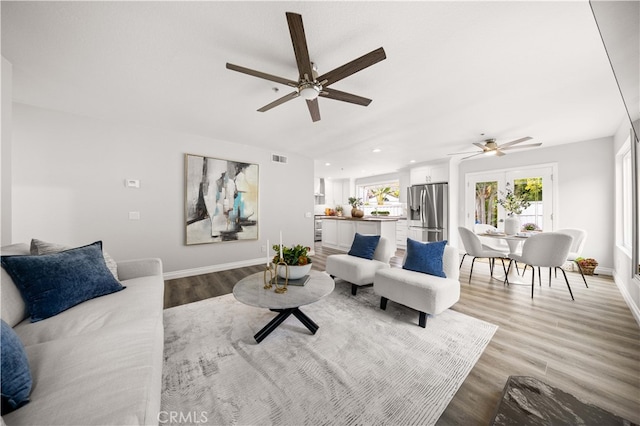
485	189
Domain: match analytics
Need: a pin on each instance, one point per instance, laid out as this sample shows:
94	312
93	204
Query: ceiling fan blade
314	110
481	146
464	152
464	158
260	74
279	101
296	29
504	145
352	67
530	145
344	97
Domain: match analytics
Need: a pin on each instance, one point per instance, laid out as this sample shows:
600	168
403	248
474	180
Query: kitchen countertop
362	219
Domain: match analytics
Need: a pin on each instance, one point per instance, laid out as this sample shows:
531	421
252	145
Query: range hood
319	188
318	191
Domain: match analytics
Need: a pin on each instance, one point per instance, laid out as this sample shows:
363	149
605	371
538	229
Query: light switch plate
132	183
134	215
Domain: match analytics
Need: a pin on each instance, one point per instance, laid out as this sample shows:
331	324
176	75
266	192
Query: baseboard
211	268
215	268
635	310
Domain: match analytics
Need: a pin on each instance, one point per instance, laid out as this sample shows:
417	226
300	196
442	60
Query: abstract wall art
221	200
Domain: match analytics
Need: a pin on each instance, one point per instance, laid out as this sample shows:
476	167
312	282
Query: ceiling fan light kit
309	91
309	85
490	147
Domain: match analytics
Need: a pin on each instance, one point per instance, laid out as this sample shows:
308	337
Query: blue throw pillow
52	283
15	375
364	245
425	257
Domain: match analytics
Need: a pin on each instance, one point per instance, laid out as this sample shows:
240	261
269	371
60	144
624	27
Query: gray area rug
363	366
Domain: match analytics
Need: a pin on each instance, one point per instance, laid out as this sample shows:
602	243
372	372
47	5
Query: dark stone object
528	401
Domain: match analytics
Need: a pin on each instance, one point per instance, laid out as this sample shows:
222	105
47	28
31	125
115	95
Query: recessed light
327	164
412	161
377	150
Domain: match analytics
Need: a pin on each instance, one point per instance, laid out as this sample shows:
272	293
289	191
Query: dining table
514	241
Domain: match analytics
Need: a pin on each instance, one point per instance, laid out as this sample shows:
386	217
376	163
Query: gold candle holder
267	282
283	289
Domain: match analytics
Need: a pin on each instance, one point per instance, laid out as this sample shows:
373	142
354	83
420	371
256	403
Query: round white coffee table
250	291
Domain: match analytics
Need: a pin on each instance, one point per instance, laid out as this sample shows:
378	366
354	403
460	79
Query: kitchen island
338	232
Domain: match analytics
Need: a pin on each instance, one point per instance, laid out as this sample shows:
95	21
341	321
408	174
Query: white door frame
508	175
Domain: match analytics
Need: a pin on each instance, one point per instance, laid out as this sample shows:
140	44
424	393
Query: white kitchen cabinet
338	194
346	232
329	232
429	174
328	194
339	233
401	233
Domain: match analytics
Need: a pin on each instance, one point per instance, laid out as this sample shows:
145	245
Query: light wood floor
589	347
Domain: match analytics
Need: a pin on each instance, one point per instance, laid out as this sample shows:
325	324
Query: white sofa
99	362
425	293
358	271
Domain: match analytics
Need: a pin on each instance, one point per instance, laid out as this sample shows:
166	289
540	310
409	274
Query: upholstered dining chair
474	247
547	250
490	242
577	245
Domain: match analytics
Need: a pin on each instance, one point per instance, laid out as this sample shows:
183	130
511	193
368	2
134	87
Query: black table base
283	314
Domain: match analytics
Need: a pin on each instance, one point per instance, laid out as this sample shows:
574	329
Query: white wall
585	189
68	187
5	176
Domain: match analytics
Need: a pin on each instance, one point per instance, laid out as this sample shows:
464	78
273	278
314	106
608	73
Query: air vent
278	158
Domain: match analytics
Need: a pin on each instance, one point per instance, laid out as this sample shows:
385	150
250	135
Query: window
380	197
486	211
485	189
531	188
627	203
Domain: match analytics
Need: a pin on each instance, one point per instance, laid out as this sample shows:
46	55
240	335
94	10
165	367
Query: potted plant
530	227
355	203
339	210
588	265
297	257
514	205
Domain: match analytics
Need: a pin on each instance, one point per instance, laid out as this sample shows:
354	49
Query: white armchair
428	294
358	271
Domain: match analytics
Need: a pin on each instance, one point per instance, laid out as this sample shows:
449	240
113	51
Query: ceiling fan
490	147
309	85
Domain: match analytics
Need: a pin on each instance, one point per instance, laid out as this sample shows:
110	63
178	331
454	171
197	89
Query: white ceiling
454	70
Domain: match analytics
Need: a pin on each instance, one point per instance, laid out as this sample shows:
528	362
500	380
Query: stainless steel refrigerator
428	211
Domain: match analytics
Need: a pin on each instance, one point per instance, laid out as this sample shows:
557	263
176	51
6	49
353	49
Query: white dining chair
474	247
577	245
547	250
493	243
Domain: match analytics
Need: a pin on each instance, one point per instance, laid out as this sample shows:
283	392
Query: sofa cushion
53	283
16	376
42	247
13	308
425	257
364	246
142	299
109	377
